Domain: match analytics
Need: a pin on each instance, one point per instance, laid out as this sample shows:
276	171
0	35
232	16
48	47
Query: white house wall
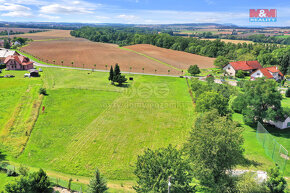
230	70
257	74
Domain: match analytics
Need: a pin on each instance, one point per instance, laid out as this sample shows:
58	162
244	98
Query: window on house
258	74
229	68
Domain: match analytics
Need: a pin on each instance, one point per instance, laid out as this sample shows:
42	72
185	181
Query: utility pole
169	184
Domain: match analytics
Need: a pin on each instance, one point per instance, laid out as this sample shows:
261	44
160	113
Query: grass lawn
4	180
90	123
19	106
255	151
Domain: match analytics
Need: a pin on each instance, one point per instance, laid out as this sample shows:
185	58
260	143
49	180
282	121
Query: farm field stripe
151	58
43	64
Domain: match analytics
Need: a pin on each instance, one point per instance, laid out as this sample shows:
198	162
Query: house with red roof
270	72
247	66
18	62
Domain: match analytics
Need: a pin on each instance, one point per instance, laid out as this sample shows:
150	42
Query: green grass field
254	150
90	123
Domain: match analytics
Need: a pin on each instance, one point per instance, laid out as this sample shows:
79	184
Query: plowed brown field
59	45
47	35
81	51
178	59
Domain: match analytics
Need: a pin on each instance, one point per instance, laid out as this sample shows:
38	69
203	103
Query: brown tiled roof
20	59
266	71
246	65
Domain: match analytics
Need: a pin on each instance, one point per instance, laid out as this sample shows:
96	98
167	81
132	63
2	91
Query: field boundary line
35	115
151	58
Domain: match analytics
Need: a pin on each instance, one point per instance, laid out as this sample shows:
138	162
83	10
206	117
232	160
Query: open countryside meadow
118	107
90	123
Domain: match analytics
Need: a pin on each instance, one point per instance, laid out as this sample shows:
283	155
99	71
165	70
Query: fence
272	148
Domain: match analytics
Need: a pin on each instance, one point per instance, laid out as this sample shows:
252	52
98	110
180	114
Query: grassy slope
254	150
19	107
89	123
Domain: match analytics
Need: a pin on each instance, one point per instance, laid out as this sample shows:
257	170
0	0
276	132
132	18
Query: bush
276	183
248	184
240	74
23	170
287	94
238	104
42	91
12	173
193	70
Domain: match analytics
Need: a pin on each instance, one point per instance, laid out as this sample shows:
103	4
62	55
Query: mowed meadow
90	123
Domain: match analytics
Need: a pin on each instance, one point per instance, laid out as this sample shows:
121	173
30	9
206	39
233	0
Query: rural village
143	108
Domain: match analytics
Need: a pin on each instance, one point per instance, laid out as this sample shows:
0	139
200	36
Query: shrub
23	170
248	184
276	183
193	70
12	173
98	184
287	94
209	79
42	91
240	74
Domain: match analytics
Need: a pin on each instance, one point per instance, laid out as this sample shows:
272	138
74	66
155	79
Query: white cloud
16	14
102	17
76	7
13	7
15	10
50	17
128	17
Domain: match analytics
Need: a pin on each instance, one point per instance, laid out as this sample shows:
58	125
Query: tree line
261	38
241	51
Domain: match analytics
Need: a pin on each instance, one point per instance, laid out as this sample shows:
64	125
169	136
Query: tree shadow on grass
247	162
124	85
283	133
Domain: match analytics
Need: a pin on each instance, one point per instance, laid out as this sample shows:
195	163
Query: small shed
281	124
33	73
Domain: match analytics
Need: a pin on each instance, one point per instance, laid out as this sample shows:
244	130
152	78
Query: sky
142	11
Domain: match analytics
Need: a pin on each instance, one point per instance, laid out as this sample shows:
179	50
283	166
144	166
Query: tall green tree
283	59
221	61
212	100
153	169
117	70
39	182
111	76
214	147
7	43
262	101
193	70
97	184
